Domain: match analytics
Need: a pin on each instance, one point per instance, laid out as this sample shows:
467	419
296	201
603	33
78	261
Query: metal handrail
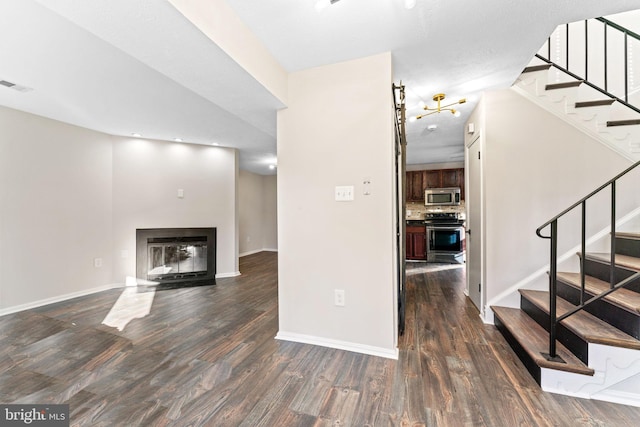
619	27
554	320
588	196
608	24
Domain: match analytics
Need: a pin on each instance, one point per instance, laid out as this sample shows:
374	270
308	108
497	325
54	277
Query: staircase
571	99
585	73
596	351
599	348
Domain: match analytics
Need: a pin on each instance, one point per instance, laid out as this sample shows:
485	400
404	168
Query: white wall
337	131
270	213
257	212
55	209
69	195
146	178
536	165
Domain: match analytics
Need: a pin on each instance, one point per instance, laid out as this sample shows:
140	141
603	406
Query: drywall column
338	131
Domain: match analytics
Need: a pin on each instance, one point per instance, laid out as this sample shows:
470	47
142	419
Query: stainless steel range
445	237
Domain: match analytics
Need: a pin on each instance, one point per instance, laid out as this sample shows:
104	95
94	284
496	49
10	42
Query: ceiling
124	67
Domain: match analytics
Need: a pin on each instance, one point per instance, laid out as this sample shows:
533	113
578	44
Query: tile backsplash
416	210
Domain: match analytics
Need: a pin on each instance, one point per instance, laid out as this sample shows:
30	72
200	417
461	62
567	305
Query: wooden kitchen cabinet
416	238
418	181
450	177
433	179
415	186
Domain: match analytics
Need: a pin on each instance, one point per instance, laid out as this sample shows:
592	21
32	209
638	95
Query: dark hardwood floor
206	356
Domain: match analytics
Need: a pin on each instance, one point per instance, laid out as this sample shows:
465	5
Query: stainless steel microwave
442	196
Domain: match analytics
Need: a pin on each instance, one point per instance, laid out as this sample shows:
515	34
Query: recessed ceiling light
432	127
136	134
177	139
215	144
412	119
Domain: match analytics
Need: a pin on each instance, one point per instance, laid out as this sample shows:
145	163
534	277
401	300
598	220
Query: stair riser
568	338
622	319
600	270
526	360
629	247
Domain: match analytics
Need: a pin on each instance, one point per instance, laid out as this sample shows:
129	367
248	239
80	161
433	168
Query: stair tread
630	122
624	298
583	324
535	340
533	68
628	235
596	103
626	261
563	85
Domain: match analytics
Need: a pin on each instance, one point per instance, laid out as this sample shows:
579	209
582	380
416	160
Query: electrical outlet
97	262
338	297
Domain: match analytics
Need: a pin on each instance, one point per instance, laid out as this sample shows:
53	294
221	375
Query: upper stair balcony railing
602	54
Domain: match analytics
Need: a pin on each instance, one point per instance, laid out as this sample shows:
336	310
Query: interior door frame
478	230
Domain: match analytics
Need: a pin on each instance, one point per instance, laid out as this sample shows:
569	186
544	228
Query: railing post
553	288
583	250
586	49
566	48
606	64
626	68
612	276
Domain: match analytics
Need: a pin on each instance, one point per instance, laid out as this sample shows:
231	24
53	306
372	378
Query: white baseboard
60	298
223	275
257	251
340	345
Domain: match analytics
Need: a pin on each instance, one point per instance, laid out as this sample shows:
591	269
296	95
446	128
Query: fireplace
176	256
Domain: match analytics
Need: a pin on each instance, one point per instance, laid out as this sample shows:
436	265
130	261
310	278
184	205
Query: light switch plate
344	193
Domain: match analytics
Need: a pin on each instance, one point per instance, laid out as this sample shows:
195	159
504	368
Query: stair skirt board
567	337
620	318
613	366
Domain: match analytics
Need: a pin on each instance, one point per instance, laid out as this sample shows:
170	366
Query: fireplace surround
176	256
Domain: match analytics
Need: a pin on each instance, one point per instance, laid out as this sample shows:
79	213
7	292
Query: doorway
475	286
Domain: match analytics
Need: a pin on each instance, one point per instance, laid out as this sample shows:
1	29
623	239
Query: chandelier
439	97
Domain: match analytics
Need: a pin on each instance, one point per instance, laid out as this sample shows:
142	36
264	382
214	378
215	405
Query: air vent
14	86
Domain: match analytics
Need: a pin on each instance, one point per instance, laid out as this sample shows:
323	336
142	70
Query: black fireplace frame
142	240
